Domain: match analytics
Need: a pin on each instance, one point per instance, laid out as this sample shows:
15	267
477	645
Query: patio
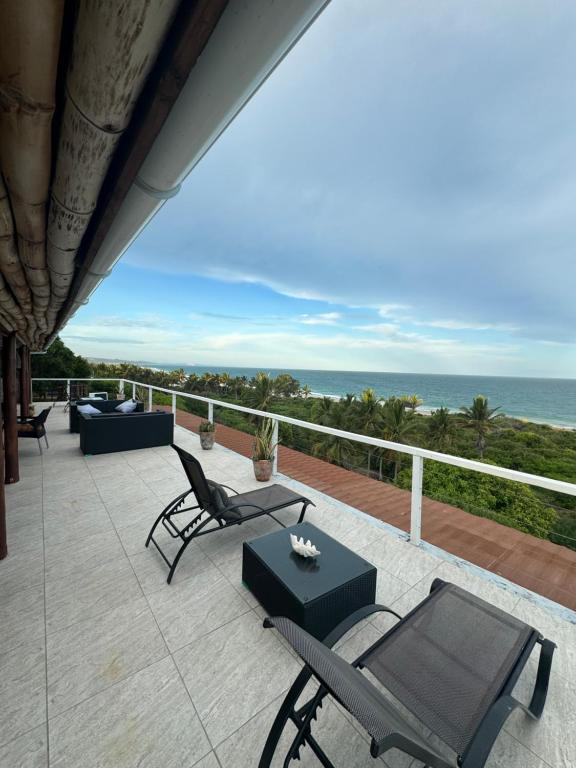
103	664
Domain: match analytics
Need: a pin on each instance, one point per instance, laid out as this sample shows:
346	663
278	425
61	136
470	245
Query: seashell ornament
304	549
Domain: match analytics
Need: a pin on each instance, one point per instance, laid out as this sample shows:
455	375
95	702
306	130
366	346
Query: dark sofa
104	406
124	431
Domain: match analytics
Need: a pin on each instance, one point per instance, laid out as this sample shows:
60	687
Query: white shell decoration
305	549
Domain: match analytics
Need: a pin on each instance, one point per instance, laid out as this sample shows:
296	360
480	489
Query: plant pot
262	470
206	440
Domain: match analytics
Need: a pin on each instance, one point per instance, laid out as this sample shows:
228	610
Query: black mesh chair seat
449	660
452	662
348	685
272	498
216	508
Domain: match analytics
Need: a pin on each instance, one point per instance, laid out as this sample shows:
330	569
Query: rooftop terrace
103	664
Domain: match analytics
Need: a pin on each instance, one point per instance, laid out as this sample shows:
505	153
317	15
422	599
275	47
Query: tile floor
102	665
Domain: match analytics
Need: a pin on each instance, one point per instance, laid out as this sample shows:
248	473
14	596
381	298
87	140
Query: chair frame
477	751
35	422
196	527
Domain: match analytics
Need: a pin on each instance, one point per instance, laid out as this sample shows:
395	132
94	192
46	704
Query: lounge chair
35	427
451	663
218	508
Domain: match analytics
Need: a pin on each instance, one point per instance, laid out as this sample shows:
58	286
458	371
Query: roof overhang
104	110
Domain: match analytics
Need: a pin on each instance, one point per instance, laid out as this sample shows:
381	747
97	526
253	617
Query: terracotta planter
206	440
262	470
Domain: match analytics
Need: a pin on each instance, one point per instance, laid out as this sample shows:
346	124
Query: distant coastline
542	401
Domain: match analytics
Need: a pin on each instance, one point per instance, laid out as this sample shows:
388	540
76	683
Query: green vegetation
60	362
481	419
479	429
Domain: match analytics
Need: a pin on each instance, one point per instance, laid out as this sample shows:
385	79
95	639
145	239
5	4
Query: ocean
550	401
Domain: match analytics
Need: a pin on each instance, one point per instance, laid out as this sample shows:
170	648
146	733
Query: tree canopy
60	362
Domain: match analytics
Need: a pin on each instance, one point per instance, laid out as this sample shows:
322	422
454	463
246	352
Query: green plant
264	445
513	504
207	426
564	529
398	424
441	429
480	418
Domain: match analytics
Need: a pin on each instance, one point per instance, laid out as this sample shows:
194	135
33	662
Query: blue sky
400	195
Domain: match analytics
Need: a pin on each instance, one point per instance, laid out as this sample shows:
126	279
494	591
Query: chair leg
39	446
303	511
177	559
46	438
168	508
538	700
284	714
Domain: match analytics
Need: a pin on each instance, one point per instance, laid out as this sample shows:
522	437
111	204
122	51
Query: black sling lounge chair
218	508
452	662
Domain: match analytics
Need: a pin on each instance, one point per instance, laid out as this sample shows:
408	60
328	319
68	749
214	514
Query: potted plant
206	431
263	450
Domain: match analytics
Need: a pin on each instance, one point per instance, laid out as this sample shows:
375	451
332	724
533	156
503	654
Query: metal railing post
416	503
121	388
133	391
150	398
174	407
275	441
67	390
211	412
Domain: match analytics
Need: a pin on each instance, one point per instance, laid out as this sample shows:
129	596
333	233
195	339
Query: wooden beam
10	409
24	382
194	23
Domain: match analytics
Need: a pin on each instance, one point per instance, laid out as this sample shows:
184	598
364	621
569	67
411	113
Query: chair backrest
197	479
42	416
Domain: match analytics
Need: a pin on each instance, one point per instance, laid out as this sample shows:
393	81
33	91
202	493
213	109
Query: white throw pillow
127	406
88	409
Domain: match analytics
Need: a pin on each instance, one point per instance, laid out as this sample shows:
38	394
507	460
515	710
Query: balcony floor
105	666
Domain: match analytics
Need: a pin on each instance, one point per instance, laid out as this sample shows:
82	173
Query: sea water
551	401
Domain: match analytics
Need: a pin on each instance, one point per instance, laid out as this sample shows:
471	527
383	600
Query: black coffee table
315	593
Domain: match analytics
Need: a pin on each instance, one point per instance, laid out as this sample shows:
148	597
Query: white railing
418	454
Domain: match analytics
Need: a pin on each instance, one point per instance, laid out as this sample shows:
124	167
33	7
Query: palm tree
441	429
369	417
262	391
411	402
398	424
322	410
305	391
480	417
335	449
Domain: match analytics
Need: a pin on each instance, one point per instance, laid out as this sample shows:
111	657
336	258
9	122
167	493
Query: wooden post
25	383
10	409
3	542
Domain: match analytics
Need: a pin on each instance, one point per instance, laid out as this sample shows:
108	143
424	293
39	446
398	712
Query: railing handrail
76	378
560	486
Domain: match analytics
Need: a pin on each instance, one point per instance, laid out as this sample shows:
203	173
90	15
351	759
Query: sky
400	195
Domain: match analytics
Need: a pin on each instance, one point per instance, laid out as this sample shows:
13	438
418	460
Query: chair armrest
228	487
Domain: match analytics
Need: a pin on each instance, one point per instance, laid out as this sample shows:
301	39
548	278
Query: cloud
324	318
392	310
448	190
459	325
102	339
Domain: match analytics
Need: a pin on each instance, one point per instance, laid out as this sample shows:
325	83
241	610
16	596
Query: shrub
510	503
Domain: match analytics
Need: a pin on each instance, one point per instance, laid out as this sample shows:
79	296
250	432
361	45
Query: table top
308	578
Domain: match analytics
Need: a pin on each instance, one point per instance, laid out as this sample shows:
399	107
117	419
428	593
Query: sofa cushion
88	409
127	406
